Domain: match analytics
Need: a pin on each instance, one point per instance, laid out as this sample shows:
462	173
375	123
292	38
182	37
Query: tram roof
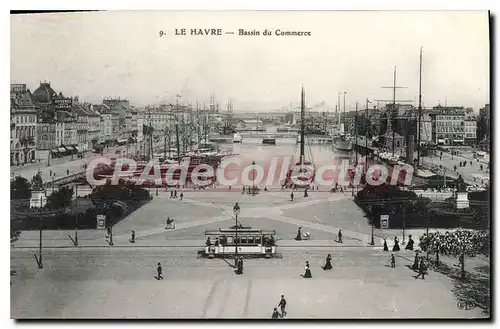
240	231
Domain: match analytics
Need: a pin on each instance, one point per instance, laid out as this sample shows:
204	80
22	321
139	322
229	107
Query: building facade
449	125
23	126
470	129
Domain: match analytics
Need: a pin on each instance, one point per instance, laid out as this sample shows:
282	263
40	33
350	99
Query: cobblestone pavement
467	172
120	283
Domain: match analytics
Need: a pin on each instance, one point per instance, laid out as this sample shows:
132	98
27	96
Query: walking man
421	269
159	271
340	236
291	195
282	305
182	195
393	261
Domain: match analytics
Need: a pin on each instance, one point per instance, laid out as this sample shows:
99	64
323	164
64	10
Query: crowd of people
456	242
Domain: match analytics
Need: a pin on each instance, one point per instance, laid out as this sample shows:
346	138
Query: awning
62	149
55	151
76	148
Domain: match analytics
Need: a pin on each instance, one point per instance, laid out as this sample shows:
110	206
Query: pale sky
94	55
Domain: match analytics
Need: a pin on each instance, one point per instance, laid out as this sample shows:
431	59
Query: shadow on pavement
474	290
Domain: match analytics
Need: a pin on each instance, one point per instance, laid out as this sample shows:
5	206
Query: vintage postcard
250	165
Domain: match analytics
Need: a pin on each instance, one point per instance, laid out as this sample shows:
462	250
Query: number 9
162	33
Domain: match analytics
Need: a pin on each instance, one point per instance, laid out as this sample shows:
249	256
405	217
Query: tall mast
356	132
345	92
177	129
394	112
339	108
302	124
366	134
419	110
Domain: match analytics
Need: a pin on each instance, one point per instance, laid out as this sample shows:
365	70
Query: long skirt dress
328	264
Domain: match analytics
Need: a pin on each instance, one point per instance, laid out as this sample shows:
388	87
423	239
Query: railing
64	180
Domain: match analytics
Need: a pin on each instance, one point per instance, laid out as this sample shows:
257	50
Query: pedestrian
340	236
108	234
481	167
276	314
409	245
282	305
385	245
159	271
305	193
421	269
299	234
415	262
471	163
67	172
182	195
393	261
239	266
291	195
307	273
396	244
328	263
132	236
50	174
175	194
171	194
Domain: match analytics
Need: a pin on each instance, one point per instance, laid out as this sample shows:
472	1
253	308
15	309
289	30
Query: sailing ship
301	174
340	141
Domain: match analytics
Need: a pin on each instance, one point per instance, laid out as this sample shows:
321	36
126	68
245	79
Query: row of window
20	133
450	129
449	123
25	119
449	117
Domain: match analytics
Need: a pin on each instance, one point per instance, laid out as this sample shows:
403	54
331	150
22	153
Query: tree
459	243
60	198
20	188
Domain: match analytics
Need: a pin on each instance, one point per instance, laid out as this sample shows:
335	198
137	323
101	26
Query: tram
250	242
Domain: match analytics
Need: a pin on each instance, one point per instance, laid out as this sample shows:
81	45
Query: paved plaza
59	166
96	280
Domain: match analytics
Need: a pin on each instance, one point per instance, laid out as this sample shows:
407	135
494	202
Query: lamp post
39	259
236	211
253	178
372	242
76	217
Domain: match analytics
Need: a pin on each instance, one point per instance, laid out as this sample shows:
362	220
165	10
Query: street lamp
372	242
253	178
236	211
